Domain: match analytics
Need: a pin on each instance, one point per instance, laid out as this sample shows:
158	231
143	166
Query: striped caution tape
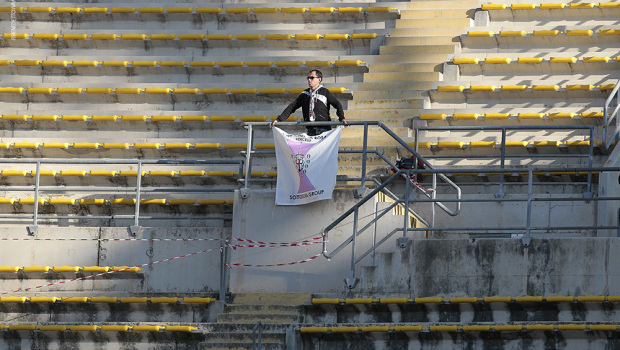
273	265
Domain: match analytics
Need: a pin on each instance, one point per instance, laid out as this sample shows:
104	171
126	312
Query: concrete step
404	67
242	346
417	51
260	309
290	299
422	58
387	94
399	76
438	12
389	86
432	22
284	318
431	30
422	40
441	4
387	103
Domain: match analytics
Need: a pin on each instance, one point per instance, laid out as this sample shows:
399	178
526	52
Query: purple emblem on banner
300	157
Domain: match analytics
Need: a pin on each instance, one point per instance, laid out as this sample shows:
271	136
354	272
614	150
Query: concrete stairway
277	312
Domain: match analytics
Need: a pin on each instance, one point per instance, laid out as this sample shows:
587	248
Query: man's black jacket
321	107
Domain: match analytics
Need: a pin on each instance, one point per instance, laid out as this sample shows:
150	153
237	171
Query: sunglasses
311	78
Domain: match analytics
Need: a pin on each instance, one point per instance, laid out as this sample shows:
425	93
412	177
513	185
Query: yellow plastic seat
530	59
96	269
596	59
28	269
30	201
546	143
35	9
43	299
68	10
609	32
480	33
180	328
146	328
115	328
109	300
248	36
476	328
523	6
102	173
450	144
497	60
487	7
182	201
192	173
74	117
207	145
73	173
531	115
197	300
157	90
8	269
214	91
15	35
191	36
235	145
350	9
133	118
26	145
123	201
293	9
219	37
514	87
239	10
141	300
75	36
104	36
133	173
553	6
208	10
61	201
98	90
54	63
266	10
22	327
322	9
221	173
433	116
83	328
512	33
336	36
561	115
607	87
14	90
177	145
44	173
13	172
364	36
560	298
146	145
278	36
581	5
162	173
16	9
472	116
482	88
375	9
516	143
92	201
307	36
545	87
482	144
582	87
69	90
172	63
450	88
465	60
579	32
86	145
126	269
202	63
144	63
115	145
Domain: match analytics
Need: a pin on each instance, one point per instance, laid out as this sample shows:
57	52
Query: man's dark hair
318	73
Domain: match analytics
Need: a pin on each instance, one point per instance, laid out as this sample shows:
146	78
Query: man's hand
344	121
273	123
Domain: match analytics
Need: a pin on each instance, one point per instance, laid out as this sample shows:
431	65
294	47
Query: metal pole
500	194
136	220
248	156
527	239
374	233
364	150
223	262
407	190
33	229
434	196
352	281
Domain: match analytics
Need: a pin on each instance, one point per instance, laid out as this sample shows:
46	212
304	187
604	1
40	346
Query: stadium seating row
108	300
479	144
517	33
134	173
507	60
231	10
192	91
127	145
120	201
54	36
95	328
151	63
462	328
474	116
143	118
470	300
95	269
548	6
545	87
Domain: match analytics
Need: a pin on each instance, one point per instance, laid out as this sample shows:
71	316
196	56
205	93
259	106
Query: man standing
315	103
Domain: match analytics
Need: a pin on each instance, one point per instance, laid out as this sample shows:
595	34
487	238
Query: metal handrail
250	151
38	188
608	116
258	326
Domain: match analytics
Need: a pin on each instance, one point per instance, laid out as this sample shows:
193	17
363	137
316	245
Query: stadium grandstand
476	198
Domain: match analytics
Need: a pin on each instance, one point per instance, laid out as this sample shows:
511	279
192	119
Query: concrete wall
185	276
609	186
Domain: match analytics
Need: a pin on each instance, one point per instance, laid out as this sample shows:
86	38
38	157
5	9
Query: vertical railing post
35	216
352	280
590	159
407	190
361	191
528	238
500	193
248	156
434	198
136	215
223	266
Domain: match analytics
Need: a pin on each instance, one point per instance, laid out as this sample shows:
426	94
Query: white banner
307	166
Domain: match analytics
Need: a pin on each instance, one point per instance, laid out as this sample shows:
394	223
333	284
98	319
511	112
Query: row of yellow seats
470	300
480	144
151	63
179	91
506	60
474	116
233	10
95	269
524	173
119	201
464	328
126	145
550	87
53	36
513	33
134	173
550	6
95	328
140	118
108	300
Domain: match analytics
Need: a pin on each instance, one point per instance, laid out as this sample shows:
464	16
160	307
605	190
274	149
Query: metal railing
610	113
365	152
257	341
502	146
138	189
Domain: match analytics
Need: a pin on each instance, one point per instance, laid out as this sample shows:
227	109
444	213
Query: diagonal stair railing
610	113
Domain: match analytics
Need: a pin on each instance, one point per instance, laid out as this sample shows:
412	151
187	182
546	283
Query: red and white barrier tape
109	272
273	265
